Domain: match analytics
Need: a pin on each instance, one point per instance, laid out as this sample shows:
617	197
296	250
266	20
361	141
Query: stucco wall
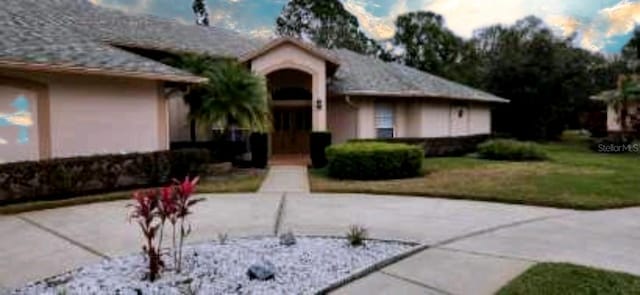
101	115
480	119
414	119
289	56
435	119
18	124
341	120
418	118
366	119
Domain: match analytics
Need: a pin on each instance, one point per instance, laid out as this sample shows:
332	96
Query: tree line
548	79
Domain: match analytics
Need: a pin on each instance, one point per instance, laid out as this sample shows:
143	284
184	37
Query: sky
599	25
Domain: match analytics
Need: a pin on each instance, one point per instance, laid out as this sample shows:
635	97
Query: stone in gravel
262	271
287	239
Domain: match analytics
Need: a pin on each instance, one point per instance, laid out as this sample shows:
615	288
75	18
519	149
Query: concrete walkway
473	247
286	179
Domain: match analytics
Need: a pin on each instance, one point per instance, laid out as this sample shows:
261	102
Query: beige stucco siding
435	119
341	120
366	119
480	119
90	115
289	56
18	126
421	118
103	117
414	119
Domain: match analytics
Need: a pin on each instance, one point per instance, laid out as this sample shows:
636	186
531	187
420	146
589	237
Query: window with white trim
384	120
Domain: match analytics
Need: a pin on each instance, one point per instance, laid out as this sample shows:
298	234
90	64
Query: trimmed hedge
374	161
439	146
511	150
70	177
318	143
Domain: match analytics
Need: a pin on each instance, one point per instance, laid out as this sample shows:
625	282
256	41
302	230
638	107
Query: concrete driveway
475	247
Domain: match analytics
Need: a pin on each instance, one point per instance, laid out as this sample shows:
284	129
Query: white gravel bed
214	268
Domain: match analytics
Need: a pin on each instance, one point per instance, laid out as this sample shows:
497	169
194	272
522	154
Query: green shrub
68	177
357	235
374	160
511	150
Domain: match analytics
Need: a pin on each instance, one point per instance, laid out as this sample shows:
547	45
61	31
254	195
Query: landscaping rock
215	268
287	239
262	271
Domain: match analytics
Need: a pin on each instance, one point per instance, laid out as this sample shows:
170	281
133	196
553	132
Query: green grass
231	184
567	279
573	177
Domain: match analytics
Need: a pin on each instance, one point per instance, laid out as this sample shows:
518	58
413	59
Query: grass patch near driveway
568	279
573	177
236	183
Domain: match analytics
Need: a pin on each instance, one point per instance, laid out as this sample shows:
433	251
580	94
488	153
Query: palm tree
233	96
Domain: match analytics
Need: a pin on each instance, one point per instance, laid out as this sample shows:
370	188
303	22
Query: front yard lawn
247	181
567	279
574	177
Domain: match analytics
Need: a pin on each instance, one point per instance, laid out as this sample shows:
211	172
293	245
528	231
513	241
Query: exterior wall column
319	103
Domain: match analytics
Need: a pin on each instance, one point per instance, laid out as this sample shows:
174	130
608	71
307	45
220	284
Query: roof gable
332	62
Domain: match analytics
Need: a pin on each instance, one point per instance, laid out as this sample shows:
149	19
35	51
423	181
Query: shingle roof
77	35
368	76
37	41
146	31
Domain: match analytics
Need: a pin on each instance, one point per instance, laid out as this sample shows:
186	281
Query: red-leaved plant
145	213
152	209
183	203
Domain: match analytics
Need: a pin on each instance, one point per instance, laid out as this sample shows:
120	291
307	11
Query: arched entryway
291	106
297	77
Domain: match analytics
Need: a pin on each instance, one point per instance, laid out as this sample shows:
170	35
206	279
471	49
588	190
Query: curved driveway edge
464	235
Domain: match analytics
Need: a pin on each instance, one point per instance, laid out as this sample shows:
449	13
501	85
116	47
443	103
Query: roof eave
411	94
70	69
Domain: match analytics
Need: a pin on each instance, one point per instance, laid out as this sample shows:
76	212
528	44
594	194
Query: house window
384	120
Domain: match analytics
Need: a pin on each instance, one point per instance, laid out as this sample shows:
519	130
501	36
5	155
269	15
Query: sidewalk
475	247
286	179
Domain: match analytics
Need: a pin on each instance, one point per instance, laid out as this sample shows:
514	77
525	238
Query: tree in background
426	44
547	79
631	52
233	96
326	23
200	10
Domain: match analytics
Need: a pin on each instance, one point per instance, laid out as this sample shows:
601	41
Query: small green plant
357	235
511	150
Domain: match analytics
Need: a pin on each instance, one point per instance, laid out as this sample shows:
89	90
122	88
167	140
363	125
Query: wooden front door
291	130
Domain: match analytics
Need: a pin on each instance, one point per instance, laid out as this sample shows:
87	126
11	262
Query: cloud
376	27
609	22
567	25
464	17
622	17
